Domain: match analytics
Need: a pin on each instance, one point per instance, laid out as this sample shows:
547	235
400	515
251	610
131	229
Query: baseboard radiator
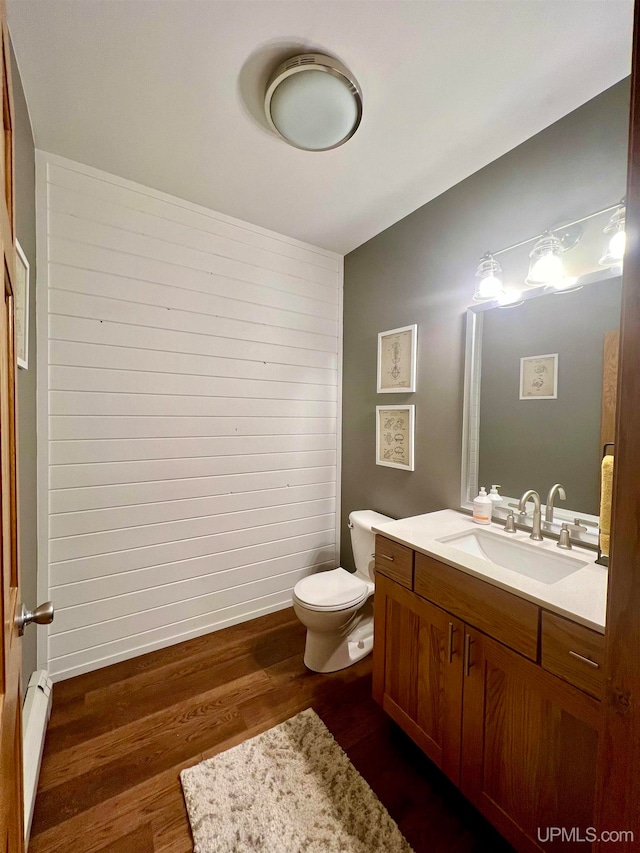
35	716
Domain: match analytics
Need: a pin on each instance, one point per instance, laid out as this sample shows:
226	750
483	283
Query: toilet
336	607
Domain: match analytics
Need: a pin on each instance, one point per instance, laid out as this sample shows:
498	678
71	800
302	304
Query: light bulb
548	269
489	278
545	264
490	287
617	245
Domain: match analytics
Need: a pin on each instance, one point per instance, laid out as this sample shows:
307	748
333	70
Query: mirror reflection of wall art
21	309
397	360
539	377
394	436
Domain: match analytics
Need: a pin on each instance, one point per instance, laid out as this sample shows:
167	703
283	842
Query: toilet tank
363	539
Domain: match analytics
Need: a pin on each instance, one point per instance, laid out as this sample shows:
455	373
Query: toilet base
325	652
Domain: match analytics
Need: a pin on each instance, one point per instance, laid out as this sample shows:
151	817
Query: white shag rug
289	790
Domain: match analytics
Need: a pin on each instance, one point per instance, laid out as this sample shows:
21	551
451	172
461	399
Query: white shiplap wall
188	414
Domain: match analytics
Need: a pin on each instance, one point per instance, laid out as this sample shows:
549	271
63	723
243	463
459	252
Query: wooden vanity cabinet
417	674
529	743
573	652
500	614
395	561
518	740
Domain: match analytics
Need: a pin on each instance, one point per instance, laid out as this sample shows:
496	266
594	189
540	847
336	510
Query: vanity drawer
573	652
395	561
505	617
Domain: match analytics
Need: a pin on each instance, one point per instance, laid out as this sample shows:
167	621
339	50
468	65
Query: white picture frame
539	377
397	352
21	308
395	427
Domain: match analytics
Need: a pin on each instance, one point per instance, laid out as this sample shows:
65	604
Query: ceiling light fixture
313	102
489	274
616	237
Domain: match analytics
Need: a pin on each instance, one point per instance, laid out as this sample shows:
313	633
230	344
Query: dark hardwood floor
119	736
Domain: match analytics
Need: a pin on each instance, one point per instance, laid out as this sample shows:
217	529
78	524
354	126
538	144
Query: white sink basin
517	556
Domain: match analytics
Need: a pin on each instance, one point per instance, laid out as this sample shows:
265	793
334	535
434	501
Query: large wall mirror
526	428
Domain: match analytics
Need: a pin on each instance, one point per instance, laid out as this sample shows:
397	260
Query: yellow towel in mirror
606	492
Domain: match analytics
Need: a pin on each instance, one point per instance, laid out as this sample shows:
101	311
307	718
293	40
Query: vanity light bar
564	236
562	227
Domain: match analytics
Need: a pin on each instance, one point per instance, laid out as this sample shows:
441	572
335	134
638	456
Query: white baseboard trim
35	716
179	637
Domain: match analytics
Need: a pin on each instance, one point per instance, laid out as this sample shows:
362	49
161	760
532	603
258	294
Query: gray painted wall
532	444
26	230
421	270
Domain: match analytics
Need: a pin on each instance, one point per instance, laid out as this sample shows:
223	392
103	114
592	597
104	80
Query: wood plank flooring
119	736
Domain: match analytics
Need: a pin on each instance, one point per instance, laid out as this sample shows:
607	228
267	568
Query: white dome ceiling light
313	102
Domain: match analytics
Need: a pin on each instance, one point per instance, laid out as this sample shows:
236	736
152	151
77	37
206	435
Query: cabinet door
417	660
529	744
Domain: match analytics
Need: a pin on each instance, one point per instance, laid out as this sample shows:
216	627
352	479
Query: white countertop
581	596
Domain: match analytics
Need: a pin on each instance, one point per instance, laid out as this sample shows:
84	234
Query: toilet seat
333	590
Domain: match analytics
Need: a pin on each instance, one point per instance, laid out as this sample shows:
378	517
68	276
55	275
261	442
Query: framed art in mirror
539	377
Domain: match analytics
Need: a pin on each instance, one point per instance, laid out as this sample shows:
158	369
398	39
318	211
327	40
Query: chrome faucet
553	491
537	513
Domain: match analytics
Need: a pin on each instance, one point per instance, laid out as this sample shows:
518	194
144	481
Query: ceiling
169	94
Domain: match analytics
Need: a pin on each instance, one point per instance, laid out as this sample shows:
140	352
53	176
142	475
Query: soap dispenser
482	507
495	497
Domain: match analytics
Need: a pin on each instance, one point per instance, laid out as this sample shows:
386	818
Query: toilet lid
333	590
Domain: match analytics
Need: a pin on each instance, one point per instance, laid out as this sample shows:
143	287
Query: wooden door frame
618	798
12	811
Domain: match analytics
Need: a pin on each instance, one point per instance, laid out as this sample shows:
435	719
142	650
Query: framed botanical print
397	351
539	377
394	436
21	308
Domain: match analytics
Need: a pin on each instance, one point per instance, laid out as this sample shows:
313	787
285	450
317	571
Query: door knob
42	615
